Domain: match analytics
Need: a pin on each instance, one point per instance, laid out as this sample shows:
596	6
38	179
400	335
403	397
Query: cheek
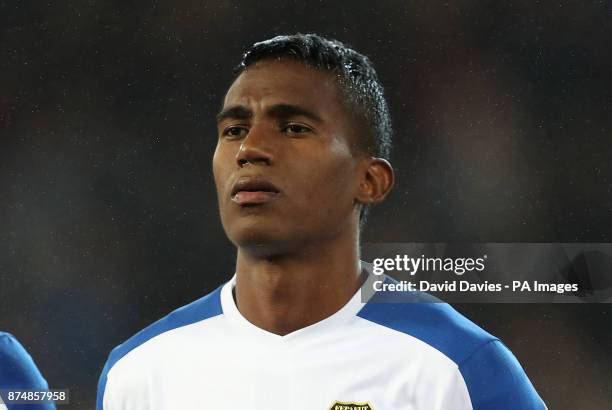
335	176
220	166
342	166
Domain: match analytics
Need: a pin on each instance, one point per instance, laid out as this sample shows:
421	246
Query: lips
253	191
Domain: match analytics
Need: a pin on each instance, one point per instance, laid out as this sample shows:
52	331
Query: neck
284	293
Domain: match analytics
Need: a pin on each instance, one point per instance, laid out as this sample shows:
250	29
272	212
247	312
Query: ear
376	181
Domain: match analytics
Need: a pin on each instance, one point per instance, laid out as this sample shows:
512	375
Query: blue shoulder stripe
493	376
435	323
203	308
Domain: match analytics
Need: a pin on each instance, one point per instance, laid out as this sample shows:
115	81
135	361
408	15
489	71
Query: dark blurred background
108	216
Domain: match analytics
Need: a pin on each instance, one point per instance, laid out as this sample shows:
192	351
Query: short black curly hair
357	80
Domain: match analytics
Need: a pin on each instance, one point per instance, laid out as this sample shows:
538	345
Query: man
303	137
18	372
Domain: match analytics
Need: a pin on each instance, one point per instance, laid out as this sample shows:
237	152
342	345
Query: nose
255	148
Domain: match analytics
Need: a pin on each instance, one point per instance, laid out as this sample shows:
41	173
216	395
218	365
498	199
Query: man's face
284	167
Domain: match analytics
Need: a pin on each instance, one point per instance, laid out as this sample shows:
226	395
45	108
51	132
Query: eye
234	132
296	129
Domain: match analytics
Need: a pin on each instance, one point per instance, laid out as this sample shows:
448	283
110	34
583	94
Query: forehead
270	82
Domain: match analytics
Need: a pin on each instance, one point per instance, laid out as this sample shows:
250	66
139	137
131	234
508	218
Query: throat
287	305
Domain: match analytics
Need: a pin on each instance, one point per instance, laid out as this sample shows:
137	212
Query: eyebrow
281	111
239	112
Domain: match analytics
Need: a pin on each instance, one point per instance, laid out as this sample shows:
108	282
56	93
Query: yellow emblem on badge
350	405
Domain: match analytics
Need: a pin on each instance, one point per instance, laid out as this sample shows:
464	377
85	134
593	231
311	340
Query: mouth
253	191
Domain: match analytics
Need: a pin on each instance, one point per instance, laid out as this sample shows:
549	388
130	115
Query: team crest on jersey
345	405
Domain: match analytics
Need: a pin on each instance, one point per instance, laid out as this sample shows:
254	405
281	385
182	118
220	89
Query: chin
260	240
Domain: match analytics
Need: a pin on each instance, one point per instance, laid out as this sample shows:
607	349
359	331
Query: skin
298	253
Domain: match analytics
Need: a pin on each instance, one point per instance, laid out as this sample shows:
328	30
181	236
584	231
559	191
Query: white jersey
382	356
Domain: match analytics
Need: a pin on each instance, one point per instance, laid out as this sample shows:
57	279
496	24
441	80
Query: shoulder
492	375
18	368
429	320
201	310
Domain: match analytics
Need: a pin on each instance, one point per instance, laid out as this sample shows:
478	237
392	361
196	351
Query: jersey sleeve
496	380
17	370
